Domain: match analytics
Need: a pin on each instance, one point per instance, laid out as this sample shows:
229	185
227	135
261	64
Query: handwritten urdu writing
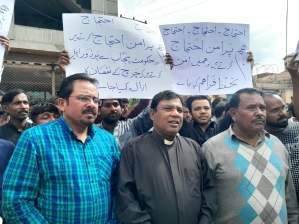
126	56
209	58
6	11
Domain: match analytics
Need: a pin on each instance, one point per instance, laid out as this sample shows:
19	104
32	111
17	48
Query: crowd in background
82	159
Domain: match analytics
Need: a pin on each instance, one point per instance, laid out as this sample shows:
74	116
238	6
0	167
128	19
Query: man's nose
52	118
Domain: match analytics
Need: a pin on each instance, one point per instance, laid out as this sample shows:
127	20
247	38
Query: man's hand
293	68
168	60
250	59
63	60
5	42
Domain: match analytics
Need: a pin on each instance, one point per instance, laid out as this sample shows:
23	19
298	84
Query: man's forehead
109	101
247	99
176	102
202	102
271	100
85	87
48	113
20	96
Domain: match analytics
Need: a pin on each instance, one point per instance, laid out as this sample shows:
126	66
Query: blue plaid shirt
53	177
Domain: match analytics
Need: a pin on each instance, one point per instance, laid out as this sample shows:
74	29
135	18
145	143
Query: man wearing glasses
64	171
277	122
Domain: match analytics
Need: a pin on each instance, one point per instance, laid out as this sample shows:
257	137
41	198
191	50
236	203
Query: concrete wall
287	96
33	44
106	7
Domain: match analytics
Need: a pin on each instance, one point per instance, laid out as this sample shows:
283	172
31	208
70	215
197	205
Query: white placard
126	56
6	11
209	58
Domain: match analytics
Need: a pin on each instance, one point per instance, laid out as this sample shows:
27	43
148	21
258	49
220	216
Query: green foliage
133	102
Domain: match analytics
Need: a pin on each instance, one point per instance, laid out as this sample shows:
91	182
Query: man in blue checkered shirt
64	171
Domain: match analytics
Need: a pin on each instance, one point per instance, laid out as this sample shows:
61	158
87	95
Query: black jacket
193	130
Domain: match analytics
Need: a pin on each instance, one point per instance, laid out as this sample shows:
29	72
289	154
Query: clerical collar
166	142
160	139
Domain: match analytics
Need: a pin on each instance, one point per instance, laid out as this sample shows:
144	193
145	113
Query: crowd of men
82	159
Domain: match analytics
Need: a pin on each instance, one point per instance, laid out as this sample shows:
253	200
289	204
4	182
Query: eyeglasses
278	110
88	99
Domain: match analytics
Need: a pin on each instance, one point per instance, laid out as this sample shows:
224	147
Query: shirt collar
262	134
27	126
100	125
162	140
91	129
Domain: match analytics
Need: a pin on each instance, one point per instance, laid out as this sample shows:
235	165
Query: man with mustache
110	112
15	103
278	125
64	171
163	177
251	167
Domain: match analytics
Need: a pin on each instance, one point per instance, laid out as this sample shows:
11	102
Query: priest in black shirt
15	103
163	177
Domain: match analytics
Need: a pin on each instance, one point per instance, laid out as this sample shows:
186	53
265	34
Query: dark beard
277	125
108	120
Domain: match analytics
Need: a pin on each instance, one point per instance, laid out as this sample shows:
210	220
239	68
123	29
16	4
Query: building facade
36	40
278	83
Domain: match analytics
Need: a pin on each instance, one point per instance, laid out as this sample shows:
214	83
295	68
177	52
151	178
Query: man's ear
152	113
61	104
232	112
5	108
223	114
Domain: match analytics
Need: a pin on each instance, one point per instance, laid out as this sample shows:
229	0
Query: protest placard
209	58
6	11
125	56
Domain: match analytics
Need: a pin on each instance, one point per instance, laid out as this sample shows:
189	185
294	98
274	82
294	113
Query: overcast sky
267	19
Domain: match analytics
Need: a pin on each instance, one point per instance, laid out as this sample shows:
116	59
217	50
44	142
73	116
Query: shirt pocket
193	182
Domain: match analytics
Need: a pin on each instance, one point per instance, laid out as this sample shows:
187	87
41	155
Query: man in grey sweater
251	167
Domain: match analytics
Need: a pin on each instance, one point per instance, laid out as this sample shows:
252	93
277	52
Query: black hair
227	107
185	105
67	85
220	107
292	109
190	100
218	100
42	108
124	100
235	100
2	112
164	95
8	96
33	102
